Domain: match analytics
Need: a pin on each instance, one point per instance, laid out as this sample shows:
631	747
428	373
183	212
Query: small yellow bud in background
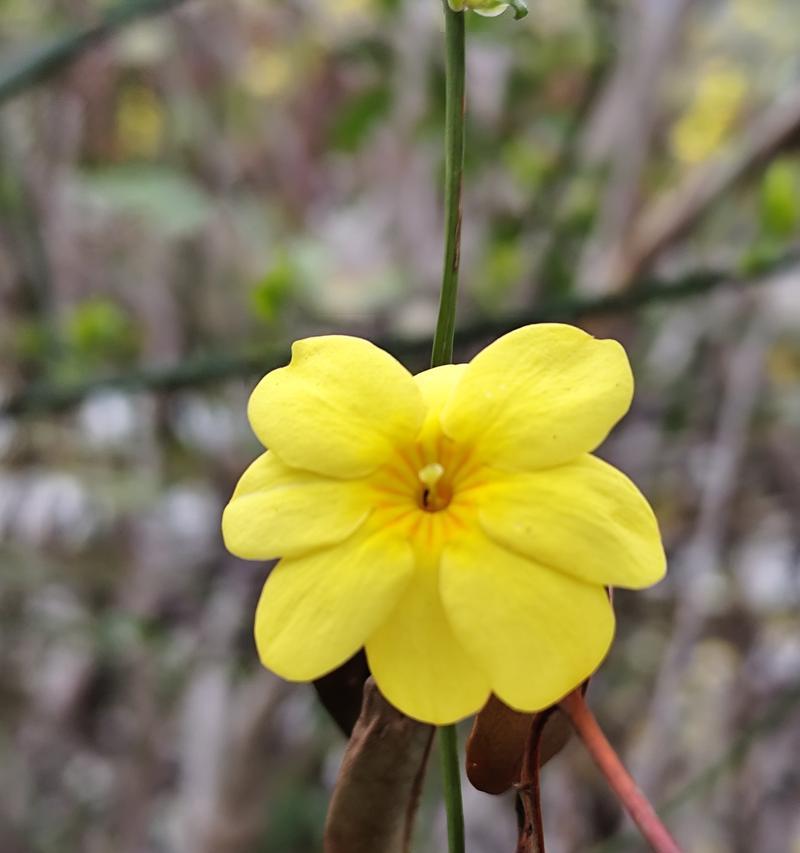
140	122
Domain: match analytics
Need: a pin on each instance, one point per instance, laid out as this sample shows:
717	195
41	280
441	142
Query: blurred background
185	187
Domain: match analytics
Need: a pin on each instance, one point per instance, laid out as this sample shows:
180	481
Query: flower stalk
455	105
451	782
634	801
454	133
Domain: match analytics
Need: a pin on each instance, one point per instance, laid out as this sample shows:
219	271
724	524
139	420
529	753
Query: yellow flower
453	523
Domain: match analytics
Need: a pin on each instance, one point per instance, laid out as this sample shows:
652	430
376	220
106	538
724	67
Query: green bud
490	8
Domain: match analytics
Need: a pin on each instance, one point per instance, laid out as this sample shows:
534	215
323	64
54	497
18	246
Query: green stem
455	53
451	777
453	172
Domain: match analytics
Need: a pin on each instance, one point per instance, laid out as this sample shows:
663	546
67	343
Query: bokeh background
184	190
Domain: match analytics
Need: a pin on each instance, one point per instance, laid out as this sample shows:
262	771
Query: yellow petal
540	396
437	386
277	511
338	408
317	611
536	632
585	518
417	662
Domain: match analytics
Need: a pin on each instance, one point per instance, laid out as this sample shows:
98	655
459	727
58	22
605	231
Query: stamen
431	474
435	495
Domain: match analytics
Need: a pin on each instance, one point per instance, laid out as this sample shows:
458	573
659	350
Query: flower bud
490	8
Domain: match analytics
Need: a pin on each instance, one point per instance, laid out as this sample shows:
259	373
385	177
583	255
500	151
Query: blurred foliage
99	331
270	294
157	196
139	122
359	116
712	112
780	199
779	214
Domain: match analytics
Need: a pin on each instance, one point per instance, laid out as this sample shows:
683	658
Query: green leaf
99	329
170	201
780	199
271	293
357	118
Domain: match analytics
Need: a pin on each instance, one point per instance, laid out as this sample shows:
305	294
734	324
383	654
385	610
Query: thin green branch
455	57
49	396
443	338
49	59
451	781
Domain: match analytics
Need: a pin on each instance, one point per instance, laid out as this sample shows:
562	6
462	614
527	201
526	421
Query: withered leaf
341	691
496	745
377	792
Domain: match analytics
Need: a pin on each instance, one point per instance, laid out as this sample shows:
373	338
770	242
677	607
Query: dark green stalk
451	778
455	58
453	172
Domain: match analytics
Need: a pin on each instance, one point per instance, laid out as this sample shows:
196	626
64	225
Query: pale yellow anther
436	493
431	474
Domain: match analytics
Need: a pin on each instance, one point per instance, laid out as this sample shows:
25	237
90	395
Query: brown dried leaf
377	792
496	745
341	691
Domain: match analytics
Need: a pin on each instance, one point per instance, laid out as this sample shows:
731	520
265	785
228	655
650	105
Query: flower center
435	492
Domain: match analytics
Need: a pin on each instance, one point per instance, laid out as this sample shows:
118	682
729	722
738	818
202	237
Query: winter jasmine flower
454	523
